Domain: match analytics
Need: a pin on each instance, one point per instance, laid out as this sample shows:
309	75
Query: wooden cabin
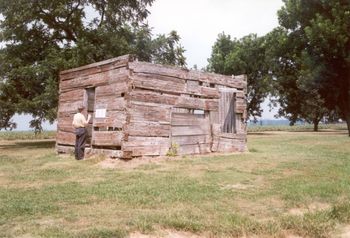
145	109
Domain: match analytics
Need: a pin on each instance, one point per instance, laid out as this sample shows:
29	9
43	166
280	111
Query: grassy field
290	184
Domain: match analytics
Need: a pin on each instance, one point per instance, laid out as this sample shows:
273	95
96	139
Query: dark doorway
90	105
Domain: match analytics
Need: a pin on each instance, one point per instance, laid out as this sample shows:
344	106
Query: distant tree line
40	38
304	64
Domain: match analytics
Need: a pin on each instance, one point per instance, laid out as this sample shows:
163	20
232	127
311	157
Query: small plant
173	150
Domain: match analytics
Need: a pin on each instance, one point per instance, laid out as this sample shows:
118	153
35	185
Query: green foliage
41	38
173	150
243	56
317	47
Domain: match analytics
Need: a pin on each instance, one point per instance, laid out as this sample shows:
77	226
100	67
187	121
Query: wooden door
190	131
227	115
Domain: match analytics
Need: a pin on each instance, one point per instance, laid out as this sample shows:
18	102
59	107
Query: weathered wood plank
107	138
73	95
140	111
95	80
221	144
112	89
146	146
190	130
187	119
61	149
149	68
209	92
235	81
111	103
238	81
97	67
65	138
148	129
194	149
106	152
197	103
152	97
191	139
69	107
112	119
158	83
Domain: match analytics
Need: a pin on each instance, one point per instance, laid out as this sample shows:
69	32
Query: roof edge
126	58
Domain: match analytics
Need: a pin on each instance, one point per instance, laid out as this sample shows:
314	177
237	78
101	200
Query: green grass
289	183
26	135
296	128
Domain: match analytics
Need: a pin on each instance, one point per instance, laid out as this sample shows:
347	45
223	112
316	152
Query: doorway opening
90	106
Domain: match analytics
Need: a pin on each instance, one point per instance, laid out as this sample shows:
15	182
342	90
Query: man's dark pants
80	139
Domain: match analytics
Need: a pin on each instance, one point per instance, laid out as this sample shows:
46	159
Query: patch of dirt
342	232
313	207
237	186
145	160
165	234
292	236
130	164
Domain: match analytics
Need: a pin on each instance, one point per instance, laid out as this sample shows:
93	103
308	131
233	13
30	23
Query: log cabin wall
109	82
151	108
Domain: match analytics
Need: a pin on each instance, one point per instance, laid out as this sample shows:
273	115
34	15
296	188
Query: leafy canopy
243	56
319	35
43	37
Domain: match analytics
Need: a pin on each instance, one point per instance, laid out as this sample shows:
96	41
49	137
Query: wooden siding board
152	97
194	149
69	107
149	112
112	119
97	67
187	119
158	83
238	82
65	138
146	146
191	139
147	129
198	103
228	145
73	95
107	138
149	68
94	80
112	89
111	103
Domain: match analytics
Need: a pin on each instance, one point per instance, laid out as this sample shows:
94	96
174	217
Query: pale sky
198	22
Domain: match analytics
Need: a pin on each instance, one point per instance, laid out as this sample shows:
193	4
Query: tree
298	97
244	56
44	37
324	29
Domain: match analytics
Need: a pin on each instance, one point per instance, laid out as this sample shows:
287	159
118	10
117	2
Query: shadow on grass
30	145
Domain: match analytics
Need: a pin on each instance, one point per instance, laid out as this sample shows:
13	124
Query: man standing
79	123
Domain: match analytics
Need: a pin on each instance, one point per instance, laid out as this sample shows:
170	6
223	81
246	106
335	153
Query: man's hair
81	108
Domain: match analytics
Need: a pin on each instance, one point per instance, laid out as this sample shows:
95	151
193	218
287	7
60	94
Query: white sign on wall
100	113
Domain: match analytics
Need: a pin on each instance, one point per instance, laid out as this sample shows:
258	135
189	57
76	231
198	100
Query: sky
198	22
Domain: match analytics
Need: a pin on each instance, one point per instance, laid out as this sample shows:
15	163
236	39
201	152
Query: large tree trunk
315	122
348	121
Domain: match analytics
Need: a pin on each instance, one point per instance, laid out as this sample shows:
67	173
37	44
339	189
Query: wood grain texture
150	106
